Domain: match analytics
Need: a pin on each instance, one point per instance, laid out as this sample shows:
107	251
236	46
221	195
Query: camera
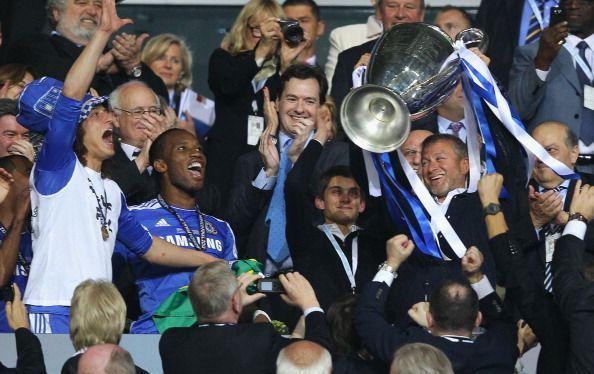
556	16
270	285
291	30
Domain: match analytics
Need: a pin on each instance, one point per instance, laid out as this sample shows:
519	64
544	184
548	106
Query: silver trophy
410	73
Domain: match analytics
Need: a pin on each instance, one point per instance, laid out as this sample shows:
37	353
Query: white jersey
68	246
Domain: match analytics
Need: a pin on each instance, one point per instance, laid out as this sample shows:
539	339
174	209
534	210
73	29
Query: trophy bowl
412	60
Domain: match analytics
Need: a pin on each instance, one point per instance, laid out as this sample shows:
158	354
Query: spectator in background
415	358
304	357
106	359
29	353
14	78
15	239
251	56
307	13
170	58
14	138
75	23
97	316
345	37
452	20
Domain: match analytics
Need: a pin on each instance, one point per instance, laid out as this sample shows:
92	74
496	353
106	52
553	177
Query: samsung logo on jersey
182	241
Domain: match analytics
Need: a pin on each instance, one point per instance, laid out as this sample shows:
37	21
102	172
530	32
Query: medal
104	233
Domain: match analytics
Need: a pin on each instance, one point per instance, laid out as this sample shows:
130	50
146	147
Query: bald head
304	357
106	359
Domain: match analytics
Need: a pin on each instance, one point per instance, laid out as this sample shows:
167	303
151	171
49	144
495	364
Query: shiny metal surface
375	118
474	38
410	60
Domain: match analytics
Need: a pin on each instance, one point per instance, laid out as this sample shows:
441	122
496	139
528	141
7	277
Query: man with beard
78	213
179	162
74	23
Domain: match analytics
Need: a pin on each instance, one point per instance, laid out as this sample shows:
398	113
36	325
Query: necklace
101	215
199	246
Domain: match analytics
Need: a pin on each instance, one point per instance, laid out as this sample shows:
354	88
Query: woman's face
169	66
15	88
252	31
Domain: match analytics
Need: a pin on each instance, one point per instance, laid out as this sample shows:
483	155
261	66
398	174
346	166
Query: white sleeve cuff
576	228
482	287
384	276
307	311
542	74
261	313
264	182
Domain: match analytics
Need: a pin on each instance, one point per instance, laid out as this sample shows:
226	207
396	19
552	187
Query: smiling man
256	209
179	163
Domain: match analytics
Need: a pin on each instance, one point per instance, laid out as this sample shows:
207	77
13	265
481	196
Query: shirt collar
573	41
333	227
443	124
374	27
129	150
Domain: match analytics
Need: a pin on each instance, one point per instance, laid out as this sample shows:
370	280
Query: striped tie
549	230
533	33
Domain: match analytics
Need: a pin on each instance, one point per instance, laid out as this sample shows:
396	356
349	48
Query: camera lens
292	32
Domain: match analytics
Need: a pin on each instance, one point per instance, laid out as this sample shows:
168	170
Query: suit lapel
565	65
513	10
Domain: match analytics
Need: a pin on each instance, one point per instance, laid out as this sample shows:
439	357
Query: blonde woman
251	56
169	57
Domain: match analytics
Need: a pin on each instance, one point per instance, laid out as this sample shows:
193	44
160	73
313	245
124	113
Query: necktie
278	249
456	127
587	124
136	153
548	230
533	32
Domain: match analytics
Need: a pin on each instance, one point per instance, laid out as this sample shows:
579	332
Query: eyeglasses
256	31
137	113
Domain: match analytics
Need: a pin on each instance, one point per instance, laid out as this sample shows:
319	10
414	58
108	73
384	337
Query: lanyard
350	272
580	61
184	224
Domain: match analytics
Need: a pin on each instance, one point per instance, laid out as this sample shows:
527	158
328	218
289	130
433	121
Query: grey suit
559	98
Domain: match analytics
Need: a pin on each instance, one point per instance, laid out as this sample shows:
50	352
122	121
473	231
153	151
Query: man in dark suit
574	287
509	24
452	314
552	80
391	12
258	186
74	24
338	257
218	344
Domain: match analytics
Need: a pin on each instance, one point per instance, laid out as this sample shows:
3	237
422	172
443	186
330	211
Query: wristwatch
492	209
136	71
385	267
577	216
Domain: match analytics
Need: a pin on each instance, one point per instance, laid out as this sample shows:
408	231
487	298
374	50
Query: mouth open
195	169
108	136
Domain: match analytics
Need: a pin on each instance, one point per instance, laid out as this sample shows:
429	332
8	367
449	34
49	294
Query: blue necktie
278	249
547	230
587	124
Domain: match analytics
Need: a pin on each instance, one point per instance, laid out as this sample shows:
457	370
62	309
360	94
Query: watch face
493	208
136	72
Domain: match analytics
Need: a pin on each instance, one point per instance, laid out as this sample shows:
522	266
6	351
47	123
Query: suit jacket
559	98
345	37
53	55
492	352
574	294
312	252
241	348
500	20
342	81
247	205
137	187
29	354
230	79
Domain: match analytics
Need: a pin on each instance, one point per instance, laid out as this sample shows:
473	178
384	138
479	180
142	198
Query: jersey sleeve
131	233
230	248
56	161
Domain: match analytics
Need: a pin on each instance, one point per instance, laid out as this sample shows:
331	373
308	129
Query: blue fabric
278	249
59	319
155	282
131	233
20	276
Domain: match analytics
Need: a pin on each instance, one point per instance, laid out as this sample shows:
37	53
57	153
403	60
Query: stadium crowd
254	236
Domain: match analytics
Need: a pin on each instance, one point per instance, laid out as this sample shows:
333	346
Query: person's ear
236	304
56	15
319	203
575	152
160	166
430	320
464	165
479	319
362	206
321	28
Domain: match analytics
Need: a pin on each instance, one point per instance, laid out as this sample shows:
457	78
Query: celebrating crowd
256	237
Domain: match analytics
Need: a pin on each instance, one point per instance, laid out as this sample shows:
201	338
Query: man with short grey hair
218	300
